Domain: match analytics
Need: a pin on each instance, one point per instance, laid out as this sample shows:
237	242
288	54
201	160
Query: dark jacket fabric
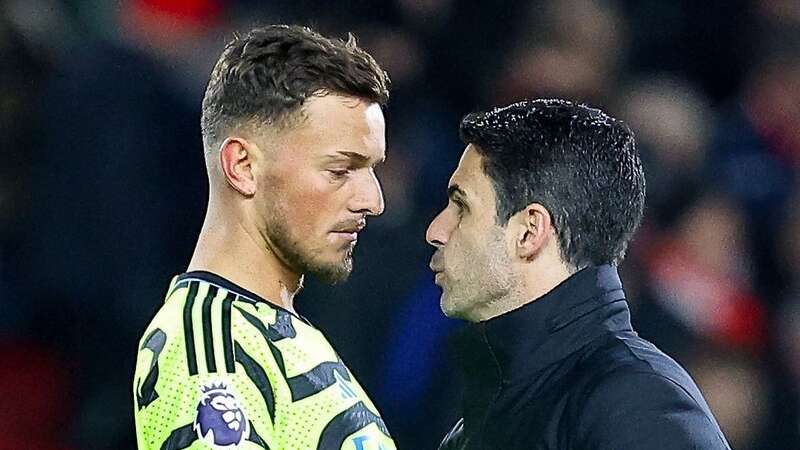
567	371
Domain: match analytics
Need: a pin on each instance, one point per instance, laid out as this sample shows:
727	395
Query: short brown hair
266	75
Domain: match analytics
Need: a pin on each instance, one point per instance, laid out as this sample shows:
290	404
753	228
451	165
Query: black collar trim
224	283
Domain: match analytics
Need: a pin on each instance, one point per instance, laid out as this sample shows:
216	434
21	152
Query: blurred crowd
103	190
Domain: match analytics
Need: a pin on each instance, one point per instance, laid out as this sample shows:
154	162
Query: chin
332	272
447	308
455	308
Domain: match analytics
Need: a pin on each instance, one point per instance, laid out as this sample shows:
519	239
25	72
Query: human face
321	185
471	263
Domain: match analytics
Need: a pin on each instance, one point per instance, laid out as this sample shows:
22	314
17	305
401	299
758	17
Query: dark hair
265	76
579	163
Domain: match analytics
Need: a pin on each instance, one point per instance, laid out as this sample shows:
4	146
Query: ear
236	161
534	225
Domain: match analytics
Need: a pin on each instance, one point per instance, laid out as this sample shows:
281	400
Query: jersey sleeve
196	385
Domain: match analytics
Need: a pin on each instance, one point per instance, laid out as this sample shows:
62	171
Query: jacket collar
552	327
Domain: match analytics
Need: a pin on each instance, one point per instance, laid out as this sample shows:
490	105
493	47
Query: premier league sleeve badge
220	421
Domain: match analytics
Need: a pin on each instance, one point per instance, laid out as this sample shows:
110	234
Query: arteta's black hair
265	76
579	163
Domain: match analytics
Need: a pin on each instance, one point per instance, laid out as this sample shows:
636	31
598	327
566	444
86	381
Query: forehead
335	123
470	177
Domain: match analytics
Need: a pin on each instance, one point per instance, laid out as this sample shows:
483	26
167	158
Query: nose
437	233
369	196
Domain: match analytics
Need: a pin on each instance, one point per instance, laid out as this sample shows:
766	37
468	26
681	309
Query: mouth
436	264
349	230
438	271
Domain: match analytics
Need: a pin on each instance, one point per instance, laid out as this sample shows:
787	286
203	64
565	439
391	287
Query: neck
234	251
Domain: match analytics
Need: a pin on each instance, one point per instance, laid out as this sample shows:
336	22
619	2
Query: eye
338	173
460	206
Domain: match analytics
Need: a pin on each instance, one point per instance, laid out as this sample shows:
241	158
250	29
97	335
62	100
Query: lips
438	278
349	230
436	265
351	227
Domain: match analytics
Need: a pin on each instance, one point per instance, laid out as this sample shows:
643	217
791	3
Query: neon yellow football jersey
221	368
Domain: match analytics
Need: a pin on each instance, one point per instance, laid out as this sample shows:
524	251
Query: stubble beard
481	286
304	261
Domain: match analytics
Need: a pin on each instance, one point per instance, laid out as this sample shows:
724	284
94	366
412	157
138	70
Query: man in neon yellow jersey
293	128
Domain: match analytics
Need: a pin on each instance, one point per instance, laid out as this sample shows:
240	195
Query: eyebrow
456	191
357	157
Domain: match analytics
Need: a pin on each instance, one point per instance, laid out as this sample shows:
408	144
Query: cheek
310	205
460	253
471	254
304	213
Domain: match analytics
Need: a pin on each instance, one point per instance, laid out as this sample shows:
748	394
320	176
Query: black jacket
567	371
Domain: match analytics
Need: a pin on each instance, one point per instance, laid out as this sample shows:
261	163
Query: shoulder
194	329
627	389
627	354
625	365
642	397
166	324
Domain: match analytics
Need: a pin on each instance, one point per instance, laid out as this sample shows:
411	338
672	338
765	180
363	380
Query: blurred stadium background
102	191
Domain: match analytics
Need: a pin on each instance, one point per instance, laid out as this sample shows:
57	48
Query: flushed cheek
308	220
318	205
315	220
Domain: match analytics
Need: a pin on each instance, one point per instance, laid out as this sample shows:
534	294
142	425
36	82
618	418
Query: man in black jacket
542	206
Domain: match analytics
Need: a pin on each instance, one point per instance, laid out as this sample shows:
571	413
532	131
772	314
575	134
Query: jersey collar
224	283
